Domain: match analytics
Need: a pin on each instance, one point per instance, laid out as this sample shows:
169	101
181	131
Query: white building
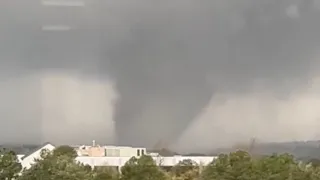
116	156
110	151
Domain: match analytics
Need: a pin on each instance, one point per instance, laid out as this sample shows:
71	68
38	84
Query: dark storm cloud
177	54
168	58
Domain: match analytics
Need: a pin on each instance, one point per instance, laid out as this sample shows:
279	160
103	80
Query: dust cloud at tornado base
206	73
231	120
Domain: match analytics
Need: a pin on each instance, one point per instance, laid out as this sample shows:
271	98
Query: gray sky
216	72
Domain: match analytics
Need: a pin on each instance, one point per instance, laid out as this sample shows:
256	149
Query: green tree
10	166
238	165
57	166
143	168
284	166
186	170
65	150
241	166
277	167
105	173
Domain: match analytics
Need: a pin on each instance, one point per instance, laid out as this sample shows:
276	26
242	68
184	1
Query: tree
65	150
284	166
238	165
241	166
57	165
277	166
10	166
143	168
186	170
105	173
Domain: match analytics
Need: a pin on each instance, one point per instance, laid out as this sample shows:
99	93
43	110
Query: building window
138	152
142	152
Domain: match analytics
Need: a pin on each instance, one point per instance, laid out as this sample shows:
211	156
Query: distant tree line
60	164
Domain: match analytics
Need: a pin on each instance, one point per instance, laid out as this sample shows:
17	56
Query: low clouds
60	107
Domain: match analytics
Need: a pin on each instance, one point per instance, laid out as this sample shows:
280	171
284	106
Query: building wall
111	151
125	151
161	161
97	152
91	151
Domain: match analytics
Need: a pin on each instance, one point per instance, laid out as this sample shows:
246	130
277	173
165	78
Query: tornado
174	57
169	71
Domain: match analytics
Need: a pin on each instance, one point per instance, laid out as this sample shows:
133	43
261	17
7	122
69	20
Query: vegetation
185	170
143	168
240	165
9	165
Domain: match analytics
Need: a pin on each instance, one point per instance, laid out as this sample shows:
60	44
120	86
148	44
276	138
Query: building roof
35	150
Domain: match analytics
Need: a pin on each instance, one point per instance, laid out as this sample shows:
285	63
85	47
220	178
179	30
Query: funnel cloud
183	72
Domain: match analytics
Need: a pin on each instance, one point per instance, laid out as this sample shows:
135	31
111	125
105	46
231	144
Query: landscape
62	163
164	90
